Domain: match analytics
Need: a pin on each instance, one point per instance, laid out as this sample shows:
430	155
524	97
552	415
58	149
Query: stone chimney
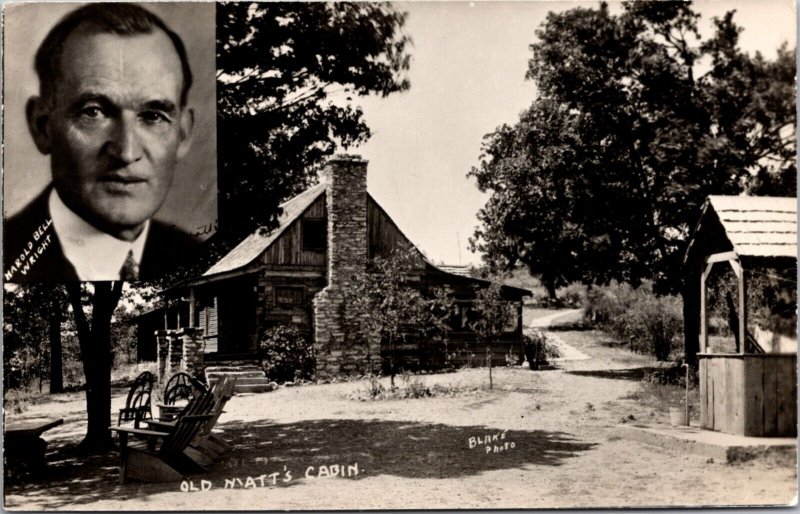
339	343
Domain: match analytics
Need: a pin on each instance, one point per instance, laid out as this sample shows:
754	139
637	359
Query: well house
748	381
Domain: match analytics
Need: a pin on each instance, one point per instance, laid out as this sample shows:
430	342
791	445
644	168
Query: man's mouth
122	178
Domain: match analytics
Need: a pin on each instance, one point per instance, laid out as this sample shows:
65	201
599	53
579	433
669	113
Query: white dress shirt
94	254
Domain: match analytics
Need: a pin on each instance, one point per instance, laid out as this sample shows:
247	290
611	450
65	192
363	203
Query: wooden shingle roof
248	250
758	226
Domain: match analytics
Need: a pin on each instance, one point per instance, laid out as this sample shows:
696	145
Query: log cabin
298	273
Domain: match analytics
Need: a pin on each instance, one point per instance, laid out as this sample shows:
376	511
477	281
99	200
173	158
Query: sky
467	78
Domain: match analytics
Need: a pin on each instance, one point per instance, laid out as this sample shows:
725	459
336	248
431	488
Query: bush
571	296
286	354
574	295
538	349
653	324
411	387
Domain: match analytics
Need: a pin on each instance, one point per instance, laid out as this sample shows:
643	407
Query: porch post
166	313
162	353
191	307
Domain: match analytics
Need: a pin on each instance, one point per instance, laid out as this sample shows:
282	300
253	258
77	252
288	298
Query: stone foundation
175	353
162	353
192	351
180	350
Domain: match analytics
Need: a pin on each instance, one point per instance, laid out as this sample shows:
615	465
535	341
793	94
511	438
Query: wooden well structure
751	391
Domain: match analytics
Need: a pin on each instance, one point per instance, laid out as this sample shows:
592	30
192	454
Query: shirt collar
94	254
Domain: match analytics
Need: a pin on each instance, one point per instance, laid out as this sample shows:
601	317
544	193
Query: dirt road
538	440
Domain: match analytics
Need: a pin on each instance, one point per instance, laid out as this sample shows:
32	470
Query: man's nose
124	143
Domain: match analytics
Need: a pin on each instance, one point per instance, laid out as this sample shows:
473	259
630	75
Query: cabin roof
256	243
455	269
253	245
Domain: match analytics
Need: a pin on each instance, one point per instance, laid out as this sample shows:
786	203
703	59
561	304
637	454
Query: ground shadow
634	374
377	447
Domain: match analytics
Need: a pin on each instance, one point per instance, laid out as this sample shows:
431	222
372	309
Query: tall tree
603	177
287	77
94	338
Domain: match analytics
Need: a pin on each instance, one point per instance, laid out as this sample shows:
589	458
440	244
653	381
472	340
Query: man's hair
115	18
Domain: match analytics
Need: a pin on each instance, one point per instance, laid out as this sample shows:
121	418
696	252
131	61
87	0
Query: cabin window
465	316
462	317
315	234
513	319
285	295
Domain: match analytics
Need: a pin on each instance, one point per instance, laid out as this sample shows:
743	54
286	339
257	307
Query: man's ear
186	133
37	112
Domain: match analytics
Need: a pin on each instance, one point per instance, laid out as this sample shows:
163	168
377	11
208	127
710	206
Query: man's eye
92	113
154	117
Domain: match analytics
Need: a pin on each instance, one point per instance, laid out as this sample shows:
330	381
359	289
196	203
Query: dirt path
566	351
431	453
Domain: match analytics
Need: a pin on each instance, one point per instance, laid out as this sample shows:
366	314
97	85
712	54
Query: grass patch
659	397
411	387
17	400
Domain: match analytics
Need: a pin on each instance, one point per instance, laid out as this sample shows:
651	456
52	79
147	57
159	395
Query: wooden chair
180	386
137	405
149	461
206	441
226	392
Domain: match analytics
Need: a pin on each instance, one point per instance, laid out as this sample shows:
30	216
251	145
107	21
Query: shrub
286	354
574	295
373	390
539	349
414	387
411	387
653	324
657	322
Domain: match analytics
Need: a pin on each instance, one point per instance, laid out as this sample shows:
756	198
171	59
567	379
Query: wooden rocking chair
137	405
180	386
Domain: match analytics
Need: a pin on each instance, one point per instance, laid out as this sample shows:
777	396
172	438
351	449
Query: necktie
130	270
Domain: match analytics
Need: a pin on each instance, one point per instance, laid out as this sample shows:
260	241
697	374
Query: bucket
677	416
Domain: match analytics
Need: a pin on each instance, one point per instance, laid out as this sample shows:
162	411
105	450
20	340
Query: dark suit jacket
32	251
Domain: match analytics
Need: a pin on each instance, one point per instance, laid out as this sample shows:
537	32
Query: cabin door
237	318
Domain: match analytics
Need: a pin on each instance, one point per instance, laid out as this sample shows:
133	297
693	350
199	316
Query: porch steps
250	377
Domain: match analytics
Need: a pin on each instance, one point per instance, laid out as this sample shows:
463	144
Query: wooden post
703	316
742	309
166	313
489	356
191	308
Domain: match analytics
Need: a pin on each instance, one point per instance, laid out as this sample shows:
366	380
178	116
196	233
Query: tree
287	74
94	337
392	306
493	316
33	315
604	175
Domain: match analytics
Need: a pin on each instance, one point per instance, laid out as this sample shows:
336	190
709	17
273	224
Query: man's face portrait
109	140
114	126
